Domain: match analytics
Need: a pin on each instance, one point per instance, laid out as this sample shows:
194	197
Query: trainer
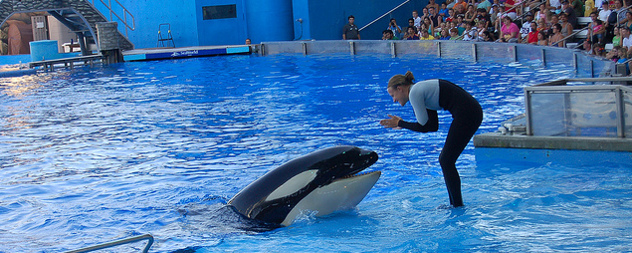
427	97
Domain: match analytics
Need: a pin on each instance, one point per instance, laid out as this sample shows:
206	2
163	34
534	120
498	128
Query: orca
323	181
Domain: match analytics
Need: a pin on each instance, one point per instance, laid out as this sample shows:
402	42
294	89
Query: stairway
80	16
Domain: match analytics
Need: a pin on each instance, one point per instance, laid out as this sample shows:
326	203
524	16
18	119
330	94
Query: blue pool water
97	154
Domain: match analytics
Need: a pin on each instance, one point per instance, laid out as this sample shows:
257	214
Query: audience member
556	39
484	4
450	4
628	20
596	28
470	14
454	34
451	16
570	12
432	4
424	13
460	7
552	21
411	33
434	18
589	7
532	37
425	35
397	30
578	7
526	27
480	27
567	27
445	35
416	19
411	22
509	30
388	35
604	12
543	38
350	31
483	17
598	5
587	46
444	12
613	55
622	55
427	25
487	37
460	24
620	13
599	50
510	9
554	7
616	40
542	25
626	40
470	33
495	15
539	14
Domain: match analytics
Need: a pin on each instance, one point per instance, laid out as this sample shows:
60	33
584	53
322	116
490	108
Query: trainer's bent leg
459	136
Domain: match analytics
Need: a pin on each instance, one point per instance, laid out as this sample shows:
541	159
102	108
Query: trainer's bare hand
392	122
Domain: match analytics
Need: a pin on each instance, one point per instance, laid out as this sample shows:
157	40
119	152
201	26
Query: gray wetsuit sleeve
424	97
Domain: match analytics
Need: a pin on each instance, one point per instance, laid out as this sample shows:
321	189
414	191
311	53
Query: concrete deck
184	52
498	140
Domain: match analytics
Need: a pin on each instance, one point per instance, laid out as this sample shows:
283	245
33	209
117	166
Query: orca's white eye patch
293	184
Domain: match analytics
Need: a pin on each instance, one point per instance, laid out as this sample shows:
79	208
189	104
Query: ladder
161	41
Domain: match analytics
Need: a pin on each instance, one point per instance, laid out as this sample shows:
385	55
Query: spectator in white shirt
627	39
605	12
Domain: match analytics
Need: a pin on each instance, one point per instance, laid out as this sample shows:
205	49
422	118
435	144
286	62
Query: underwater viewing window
219	11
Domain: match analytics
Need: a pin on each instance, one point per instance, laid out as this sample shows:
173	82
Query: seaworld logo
184	53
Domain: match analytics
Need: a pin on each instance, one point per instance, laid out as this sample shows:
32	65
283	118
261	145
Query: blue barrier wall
327	17
269	20
260	20
226	31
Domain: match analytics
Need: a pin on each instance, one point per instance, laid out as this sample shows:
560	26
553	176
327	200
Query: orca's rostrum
323	181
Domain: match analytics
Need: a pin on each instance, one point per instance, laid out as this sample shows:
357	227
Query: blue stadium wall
259	20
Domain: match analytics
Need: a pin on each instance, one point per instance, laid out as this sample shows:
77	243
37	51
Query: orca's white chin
342	193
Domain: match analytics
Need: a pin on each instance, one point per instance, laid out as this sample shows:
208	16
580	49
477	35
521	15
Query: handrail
525	13
148	237
125	14
571	35
389	12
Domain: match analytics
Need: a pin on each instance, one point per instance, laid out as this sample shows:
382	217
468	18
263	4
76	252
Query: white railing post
389	12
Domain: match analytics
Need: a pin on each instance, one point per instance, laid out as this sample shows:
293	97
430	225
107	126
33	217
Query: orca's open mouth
360	174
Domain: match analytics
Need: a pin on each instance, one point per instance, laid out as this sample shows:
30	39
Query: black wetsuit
468	115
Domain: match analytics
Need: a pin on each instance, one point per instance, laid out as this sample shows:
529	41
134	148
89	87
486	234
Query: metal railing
125	14
570	35
389	12
148	237
555	109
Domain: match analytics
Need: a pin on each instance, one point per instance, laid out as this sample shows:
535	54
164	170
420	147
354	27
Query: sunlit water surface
97	154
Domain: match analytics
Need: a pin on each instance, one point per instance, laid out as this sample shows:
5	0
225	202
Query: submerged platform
67	62
184	52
